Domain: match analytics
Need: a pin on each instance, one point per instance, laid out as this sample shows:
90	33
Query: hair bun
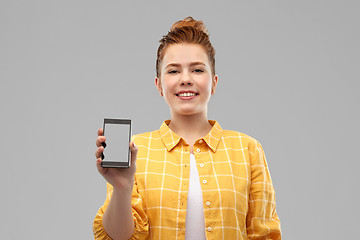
189	22
190	31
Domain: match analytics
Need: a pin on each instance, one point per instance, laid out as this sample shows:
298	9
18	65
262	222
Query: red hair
186	31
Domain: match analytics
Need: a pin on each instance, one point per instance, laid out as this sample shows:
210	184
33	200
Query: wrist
123	187
123	195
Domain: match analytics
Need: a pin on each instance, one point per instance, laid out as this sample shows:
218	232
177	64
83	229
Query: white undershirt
195	222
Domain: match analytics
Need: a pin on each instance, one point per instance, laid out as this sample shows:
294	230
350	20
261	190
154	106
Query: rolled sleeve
98	227
262	219
141	228
141	221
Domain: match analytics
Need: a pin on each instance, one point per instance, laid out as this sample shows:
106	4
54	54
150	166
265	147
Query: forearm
118	220
262	219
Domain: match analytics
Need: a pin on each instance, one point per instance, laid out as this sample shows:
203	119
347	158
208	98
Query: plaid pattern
238	195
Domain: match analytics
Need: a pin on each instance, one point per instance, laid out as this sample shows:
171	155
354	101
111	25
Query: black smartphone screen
118	137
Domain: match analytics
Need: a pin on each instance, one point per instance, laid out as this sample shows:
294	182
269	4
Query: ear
158	86
214	84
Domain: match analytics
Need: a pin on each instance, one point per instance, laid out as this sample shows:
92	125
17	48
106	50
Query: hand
117	177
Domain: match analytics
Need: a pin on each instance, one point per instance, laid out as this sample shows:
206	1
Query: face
186	80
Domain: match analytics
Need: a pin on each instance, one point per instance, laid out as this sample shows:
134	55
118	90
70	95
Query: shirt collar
170	138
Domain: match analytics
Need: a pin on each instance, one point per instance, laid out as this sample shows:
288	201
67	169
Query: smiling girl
190	179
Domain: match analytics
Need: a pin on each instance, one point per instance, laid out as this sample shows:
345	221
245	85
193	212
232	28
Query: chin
188	112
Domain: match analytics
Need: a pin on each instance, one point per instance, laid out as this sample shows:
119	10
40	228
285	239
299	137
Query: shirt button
201	165
207	203
201	141
204	181
209	229
198	150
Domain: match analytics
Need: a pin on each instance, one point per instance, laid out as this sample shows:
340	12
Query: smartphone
118	136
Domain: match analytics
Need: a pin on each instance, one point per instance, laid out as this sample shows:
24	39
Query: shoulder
244	139
148	143
241	141
146	137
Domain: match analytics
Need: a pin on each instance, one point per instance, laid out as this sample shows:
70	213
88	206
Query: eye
172	71
198	70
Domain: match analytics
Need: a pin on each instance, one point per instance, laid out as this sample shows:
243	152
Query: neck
190	127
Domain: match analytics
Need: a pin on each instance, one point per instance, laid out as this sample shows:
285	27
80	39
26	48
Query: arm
117	219
123	205
114	219
114	214
139	218
262	219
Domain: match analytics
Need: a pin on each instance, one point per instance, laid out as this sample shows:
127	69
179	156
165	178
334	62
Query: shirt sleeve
141	227
262	220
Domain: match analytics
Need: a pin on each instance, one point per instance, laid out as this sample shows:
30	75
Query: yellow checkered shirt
238	195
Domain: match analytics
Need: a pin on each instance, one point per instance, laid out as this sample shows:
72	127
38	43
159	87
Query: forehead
185	54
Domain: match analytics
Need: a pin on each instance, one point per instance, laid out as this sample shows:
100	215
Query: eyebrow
178	65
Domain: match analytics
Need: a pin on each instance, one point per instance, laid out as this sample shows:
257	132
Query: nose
186	79
186	83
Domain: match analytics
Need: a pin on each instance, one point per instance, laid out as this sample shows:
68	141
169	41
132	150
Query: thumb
134	150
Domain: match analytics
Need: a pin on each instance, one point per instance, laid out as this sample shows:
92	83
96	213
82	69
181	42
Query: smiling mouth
188	94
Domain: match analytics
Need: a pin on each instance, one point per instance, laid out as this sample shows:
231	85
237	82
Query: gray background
288	76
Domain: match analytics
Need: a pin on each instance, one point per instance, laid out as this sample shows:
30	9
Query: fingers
100	132
101	170
99	151
100	141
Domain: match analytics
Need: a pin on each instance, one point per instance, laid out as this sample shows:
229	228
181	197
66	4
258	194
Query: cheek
167	87
206	85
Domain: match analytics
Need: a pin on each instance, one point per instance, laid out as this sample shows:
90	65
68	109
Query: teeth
186	94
